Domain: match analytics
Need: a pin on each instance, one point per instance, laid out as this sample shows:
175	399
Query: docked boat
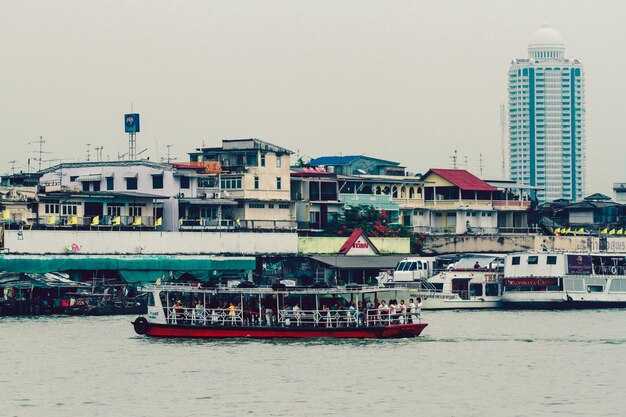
191	311
470	282
564	280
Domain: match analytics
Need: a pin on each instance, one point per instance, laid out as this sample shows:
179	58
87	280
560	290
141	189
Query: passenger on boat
419	307
412	311
199	311
476	265
297	315
178	310
401	312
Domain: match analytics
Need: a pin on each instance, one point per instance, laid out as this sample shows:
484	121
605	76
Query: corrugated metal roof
346	159
461	178
360	262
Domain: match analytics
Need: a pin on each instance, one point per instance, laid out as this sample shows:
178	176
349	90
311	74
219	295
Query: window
533	260
135	210
270	205
114	210
73	178
131	183
279	182
184	182
231	183
69	209
279	161
96	186
256	205
52	208
283	206
85	186
262	160
256	183
109	183
476	290
491	290
551	260
157	182
515	260
204	182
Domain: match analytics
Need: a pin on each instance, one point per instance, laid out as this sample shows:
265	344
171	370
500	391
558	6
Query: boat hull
220	332
561	300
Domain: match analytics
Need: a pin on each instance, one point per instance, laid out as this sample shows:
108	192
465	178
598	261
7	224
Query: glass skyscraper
547	119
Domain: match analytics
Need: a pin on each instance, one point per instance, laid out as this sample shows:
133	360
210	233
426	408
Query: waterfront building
619	189
132	194
256	174
358	165
547	119
315	194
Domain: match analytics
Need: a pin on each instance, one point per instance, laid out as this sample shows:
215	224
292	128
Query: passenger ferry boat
191	311
564	280
473	281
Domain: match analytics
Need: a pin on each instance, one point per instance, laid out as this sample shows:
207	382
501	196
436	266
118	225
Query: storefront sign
529	282
579	265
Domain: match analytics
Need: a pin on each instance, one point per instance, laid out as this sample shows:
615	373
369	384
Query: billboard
579	264
131	123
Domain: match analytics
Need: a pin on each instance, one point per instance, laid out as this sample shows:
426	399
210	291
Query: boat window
412	266
150	299
515	260
476	290
551	260
533	260
400	266
491	290
438	286
572	284
595	288
419	265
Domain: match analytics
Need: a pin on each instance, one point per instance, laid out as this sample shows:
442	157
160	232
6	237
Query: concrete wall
434	245
326	245
124	242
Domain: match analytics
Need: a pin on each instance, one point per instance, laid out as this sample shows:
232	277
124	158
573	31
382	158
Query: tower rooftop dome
546	43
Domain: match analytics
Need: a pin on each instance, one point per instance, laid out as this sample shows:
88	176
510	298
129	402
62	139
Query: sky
410	81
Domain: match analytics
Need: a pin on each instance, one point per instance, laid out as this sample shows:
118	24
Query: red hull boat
193	331
190	311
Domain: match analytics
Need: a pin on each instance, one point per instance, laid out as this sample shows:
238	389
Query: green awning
138	268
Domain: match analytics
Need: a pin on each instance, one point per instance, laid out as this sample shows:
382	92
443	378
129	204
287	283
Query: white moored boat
473	281
564	280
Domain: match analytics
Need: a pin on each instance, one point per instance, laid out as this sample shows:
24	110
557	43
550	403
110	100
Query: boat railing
289	317
205	316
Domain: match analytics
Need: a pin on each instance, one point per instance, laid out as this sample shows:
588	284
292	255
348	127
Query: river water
497	363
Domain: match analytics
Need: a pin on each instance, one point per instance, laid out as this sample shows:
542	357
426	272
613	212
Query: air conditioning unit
180	195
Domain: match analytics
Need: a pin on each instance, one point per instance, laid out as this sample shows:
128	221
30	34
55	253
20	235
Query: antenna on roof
88	154
40	142
12	167
481	164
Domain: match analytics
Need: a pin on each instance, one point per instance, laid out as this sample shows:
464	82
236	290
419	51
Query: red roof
462	179
356	234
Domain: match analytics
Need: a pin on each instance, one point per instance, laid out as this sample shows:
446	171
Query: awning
211	202
107	174
88	178
138	268
158	173
130	175
360	262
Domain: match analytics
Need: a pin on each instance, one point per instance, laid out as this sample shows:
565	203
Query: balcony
511	204
380	202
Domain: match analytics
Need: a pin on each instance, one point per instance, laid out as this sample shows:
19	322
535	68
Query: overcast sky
403	80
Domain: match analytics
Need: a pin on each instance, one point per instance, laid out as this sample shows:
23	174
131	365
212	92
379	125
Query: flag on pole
73	220
557	230
116	221
159	221
581	230
180	221
612	232
137	221
620	232
95	221
52	219
6	215
605	231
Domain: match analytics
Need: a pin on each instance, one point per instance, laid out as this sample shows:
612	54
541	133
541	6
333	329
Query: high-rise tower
547	119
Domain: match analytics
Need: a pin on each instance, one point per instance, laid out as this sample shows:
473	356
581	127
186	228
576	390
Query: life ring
614	270
141	325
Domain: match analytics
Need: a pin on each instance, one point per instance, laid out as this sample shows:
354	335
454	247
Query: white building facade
547	119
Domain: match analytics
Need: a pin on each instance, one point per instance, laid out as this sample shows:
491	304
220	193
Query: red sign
360	245
529	282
